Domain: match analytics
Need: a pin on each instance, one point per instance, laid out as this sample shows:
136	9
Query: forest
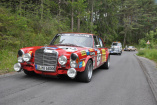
26	23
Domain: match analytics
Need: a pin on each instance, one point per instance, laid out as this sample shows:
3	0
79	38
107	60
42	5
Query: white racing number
98	57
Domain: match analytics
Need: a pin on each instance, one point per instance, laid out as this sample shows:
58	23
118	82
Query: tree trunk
92	15
59	13
42	9
124	42
78	22
72	17
20	6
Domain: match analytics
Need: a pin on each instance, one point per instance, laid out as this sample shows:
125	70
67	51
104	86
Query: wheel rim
90	71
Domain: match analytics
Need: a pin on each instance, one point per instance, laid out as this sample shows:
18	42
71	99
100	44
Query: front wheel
86	75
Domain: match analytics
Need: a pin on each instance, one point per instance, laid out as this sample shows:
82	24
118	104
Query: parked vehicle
131	48
116	48
73	54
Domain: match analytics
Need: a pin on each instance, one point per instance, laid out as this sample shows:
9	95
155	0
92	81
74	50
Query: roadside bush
148	53
142	43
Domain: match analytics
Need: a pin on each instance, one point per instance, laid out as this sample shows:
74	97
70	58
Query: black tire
29	73
86	75
106	65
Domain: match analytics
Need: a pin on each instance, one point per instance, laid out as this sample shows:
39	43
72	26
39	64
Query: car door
102	50
97	51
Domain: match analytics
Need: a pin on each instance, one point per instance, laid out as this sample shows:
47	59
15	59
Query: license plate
46	68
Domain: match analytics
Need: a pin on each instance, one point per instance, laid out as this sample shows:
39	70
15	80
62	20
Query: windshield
114	44
83	40
130	46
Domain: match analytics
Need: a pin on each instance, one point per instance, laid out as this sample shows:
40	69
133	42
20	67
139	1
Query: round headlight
17	67
62	60
20	59
71	73
27	57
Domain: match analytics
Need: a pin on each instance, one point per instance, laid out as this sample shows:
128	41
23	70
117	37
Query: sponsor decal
81	64
91	49
92	53
98	57
103	51
30	52
83	53
103	55
87	52
103	58
36	67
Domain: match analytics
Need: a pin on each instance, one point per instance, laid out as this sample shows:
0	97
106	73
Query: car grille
45	59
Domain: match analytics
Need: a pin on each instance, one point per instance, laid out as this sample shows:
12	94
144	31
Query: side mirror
97	46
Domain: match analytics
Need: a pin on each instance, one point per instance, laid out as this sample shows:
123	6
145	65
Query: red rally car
72	54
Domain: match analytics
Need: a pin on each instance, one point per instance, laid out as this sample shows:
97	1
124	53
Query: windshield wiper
69	44
61	41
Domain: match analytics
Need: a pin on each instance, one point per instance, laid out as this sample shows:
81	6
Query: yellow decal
83	53
91	49
30	52
103	58
103	51
83	63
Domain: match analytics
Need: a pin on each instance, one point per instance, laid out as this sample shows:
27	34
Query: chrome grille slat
45	59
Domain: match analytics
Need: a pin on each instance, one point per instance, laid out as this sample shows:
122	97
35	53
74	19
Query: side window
101	43
95	41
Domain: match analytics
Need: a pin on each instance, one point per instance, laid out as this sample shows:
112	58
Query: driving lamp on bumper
27	57
17	67
62	60
71	73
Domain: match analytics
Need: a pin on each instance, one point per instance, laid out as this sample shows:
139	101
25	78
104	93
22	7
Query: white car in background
116	48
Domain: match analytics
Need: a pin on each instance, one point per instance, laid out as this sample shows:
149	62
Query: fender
86	60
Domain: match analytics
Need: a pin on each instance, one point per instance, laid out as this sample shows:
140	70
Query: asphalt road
123	84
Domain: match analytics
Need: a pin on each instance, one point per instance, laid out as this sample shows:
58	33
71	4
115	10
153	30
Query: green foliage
7	59
148	53
142	43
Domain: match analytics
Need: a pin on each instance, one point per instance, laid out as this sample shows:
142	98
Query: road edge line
150	81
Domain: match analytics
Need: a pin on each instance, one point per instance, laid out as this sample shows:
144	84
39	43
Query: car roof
75	33
116	42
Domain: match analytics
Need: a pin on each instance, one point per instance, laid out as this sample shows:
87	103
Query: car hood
62	50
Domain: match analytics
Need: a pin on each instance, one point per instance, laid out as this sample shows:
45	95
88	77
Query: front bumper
114	51
59	70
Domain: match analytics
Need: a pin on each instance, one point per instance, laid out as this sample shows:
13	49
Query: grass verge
7	60
148	53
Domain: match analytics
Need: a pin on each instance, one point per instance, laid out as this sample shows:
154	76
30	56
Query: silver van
116	48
